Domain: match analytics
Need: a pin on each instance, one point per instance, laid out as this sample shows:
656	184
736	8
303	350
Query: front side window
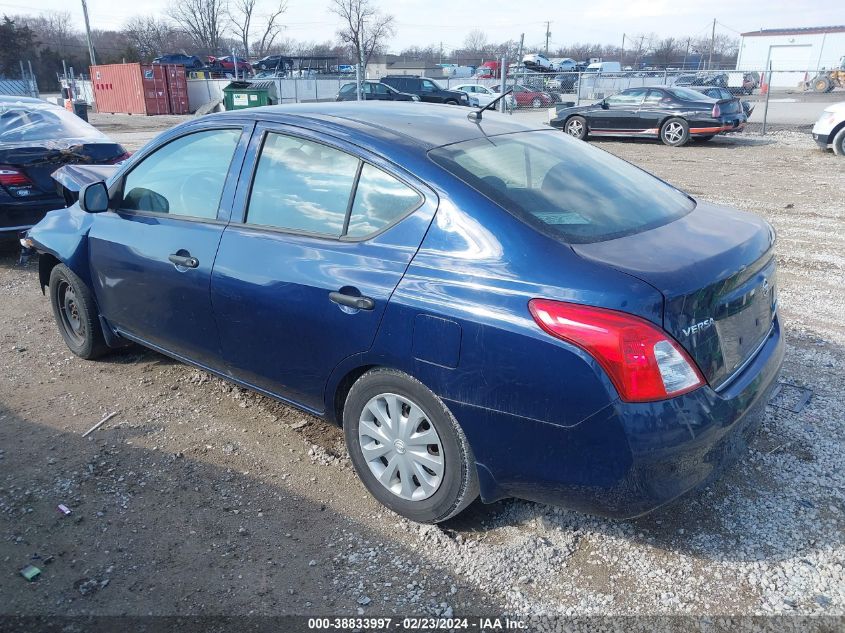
184	177
628	98
563	186
428	86
300	185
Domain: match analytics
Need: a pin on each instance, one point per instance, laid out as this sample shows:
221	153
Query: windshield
20	122
564	186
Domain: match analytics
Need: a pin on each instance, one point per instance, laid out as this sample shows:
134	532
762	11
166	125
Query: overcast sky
423	22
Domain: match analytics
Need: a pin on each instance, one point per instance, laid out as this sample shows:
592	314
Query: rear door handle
352	301
186	261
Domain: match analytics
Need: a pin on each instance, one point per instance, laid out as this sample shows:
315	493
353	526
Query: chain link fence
24	85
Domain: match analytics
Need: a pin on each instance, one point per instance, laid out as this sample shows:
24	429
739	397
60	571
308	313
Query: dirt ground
201	498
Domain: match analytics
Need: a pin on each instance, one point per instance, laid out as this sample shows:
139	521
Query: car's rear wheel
407	448
76	313
576	126
675	132
839	143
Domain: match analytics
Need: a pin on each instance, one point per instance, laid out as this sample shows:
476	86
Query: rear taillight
15	182
643	362
717	111
119	159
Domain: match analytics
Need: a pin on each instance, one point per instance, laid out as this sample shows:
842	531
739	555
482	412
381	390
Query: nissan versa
486	308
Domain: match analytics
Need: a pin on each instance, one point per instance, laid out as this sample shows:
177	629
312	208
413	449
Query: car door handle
186	261
352	301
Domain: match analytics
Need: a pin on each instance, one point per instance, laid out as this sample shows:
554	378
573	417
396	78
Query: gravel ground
200	497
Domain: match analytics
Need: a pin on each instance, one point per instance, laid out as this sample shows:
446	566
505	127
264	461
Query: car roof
415	126
14	99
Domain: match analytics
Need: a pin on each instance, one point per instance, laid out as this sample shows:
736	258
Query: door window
184	177
428	86
300	185
380	199
654	97
380	89
305	186
627	98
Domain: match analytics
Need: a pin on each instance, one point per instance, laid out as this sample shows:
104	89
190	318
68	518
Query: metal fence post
768	92
578	92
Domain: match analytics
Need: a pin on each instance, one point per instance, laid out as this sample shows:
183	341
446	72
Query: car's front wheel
451	102
577	127
407	448
839	143
675	132
536	102
76	313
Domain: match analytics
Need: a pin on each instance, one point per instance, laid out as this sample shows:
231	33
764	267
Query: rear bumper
719	127
628	459
19	215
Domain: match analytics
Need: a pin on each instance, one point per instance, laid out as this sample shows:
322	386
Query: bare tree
149	35
271	29
364	27
475	42
203	20
240	16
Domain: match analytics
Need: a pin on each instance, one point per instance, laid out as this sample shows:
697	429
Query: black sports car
36	139
674	115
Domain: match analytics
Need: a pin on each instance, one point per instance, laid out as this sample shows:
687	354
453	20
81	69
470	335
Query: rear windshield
688	94
20	122
564	186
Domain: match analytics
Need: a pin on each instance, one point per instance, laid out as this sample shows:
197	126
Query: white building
793	53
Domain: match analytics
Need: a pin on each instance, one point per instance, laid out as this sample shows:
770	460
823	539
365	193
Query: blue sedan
486	308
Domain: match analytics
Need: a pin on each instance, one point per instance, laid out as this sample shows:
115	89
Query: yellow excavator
827	80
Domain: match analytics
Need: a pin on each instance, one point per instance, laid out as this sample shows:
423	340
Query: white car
829	130
563	64
481	96
537	61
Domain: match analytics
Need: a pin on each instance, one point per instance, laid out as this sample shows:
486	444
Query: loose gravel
202	497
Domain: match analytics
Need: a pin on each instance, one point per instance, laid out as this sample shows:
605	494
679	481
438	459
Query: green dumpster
248	94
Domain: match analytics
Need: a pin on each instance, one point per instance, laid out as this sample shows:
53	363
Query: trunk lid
730	106
38	161
716	270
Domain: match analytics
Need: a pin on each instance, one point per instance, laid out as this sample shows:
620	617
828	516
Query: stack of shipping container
140	88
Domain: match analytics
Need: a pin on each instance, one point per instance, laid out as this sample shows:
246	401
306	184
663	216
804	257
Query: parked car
373	91
274	62
477	326
527	97
537	61
674	115
188	61
702	79
228	63
563	64
426	89
480	96
36	138
565	82
603	68
829	130
722	94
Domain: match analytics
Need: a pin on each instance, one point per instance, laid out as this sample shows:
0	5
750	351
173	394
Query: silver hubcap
401	447
673	132
575	128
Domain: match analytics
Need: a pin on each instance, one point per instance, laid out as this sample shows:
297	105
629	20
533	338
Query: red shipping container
177	89
130	88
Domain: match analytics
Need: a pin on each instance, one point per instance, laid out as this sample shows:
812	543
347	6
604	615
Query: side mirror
604	104
94	197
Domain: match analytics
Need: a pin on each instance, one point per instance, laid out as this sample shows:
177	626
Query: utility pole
548	35
622	54
712	43
88	34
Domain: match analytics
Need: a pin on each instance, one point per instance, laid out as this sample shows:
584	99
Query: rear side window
300	185
308	187
184	177
563	186
380	199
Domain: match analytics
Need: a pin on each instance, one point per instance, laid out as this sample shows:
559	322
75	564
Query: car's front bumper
19	215
823	140
627	459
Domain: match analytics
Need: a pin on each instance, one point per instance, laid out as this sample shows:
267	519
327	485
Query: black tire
450	102
459	483
576	127
702	139
536	102
674	132
839	143
76	314
822	84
